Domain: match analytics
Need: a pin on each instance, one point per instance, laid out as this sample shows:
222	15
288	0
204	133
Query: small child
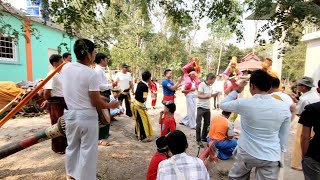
166	118
114	97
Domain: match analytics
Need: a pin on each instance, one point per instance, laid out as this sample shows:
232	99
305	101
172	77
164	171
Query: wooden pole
29	97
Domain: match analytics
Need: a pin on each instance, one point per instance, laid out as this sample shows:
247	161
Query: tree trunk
218	68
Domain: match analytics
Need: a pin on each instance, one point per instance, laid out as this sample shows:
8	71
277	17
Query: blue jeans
225	148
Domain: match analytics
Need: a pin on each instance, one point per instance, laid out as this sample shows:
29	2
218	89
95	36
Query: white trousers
190	119
82	136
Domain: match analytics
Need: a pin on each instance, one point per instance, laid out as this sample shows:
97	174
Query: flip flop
147	140
69	178
104	143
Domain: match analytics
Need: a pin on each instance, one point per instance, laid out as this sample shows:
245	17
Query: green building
27	56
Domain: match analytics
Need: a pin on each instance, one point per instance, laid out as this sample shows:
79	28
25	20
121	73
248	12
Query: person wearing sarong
81	91
55	103
154	92
308	97
169	88
123	79
105	87
143	126
191	98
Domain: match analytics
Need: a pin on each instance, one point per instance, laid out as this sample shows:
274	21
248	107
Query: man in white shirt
265	125
105	87
308	96
80	85
276	93
55	102
203	108
123	79
67	57
101	64
180	165
218	86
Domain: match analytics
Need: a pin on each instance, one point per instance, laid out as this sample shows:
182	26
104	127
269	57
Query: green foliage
124	31
294	61
6	28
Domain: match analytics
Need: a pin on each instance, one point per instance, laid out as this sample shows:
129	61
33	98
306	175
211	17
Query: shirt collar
263	96
181	155
145	83
100	67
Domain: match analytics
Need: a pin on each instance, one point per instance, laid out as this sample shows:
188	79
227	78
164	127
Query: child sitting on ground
166	118
221	132
114	97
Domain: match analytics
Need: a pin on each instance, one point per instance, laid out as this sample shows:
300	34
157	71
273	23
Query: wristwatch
238	91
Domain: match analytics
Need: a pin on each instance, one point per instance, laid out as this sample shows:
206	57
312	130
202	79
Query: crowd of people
81	91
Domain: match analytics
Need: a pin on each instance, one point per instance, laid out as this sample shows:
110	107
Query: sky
248	33
201	35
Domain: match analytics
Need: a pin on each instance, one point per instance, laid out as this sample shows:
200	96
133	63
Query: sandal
103	143
147	140
70	178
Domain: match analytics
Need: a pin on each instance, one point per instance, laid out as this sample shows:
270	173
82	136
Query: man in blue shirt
265	125
169	88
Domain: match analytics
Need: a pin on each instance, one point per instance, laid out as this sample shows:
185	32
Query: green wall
49	39
15	72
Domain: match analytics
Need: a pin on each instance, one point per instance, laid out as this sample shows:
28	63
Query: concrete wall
48	44
312	57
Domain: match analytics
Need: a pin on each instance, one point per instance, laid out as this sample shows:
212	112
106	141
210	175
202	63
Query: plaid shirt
190	168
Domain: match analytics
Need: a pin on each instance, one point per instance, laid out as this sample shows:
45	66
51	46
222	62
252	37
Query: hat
234	59
162	144
306	81
125	65
116	89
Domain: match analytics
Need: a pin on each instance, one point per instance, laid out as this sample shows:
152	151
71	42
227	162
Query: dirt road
125	159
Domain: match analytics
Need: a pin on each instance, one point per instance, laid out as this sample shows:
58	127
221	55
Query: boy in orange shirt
166	118
221	132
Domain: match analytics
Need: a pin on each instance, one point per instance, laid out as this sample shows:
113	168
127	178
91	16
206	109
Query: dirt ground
126	158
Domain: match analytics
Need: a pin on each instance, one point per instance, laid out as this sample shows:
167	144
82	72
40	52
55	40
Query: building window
8	49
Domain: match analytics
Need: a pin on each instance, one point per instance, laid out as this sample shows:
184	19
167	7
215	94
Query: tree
75	15
294	61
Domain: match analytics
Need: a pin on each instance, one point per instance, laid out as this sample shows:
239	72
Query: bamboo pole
29	96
